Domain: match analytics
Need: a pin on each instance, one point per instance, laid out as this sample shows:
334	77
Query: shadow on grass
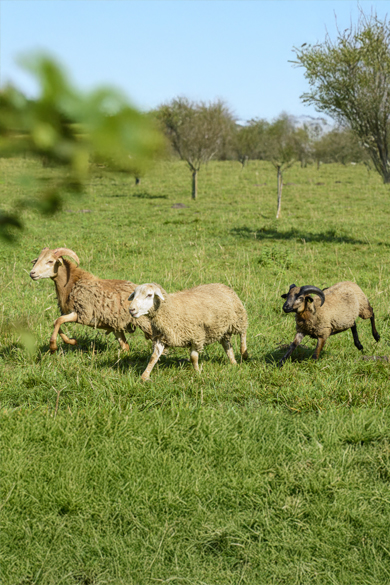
8	350
139	362
301	354
146	195
84	344
294	234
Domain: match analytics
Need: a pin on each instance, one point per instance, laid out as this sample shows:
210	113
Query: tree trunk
280	186
194	184
386	177
243	161
137	180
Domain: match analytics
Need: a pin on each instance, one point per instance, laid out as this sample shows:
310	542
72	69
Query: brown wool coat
344	303
99	303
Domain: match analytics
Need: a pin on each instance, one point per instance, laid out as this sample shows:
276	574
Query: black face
290	300
287	307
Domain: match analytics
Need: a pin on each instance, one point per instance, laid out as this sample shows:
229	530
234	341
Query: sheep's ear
310	299
159	293
284	296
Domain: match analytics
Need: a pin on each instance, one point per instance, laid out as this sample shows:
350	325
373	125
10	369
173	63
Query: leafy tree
66	128
340	145
250	140
197	131
303	145
350	81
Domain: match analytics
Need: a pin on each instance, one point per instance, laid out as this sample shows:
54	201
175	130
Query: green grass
197	496
240	475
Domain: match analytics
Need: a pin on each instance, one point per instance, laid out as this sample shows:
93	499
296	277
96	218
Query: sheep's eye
50	262
131	297
150	295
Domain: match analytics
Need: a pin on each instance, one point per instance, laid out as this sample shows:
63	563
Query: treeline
198	132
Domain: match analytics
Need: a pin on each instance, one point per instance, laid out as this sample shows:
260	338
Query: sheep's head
298	297
48	261
144	298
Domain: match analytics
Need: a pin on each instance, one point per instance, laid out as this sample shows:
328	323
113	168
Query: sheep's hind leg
368	313
375	333
158	348
243	349
297	340
229	350
65	338
194	359
356	337
120	336
72	317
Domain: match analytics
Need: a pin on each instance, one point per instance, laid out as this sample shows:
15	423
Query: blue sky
155	50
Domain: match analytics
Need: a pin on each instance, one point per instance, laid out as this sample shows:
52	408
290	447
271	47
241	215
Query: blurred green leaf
65	127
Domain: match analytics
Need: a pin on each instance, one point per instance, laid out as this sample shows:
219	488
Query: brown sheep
336	310
83	298
190	318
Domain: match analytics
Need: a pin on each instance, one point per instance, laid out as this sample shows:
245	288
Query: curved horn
305	290
66	252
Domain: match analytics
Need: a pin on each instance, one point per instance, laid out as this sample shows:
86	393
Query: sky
156	50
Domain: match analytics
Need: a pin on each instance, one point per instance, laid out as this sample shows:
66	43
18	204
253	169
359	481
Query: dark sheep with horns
334	310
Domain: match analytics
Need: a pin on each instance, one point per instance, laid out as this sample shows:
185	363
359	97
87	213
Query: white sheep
190	318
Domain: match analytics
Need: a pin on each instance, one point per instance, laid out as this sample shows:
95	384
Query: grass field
242	475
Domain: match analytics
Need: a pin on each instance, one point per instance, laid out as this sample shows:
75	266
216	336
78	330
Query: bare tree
281	150
197	131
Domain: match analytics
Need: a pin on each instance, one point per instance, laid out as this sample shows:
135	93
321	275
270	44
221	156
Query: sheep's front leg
72	317
320	344
229	351
158	348
120	336
297	340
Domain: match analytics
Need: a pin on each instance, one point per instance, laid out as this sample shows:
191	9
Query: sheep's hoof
245	355
72	341
145	379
